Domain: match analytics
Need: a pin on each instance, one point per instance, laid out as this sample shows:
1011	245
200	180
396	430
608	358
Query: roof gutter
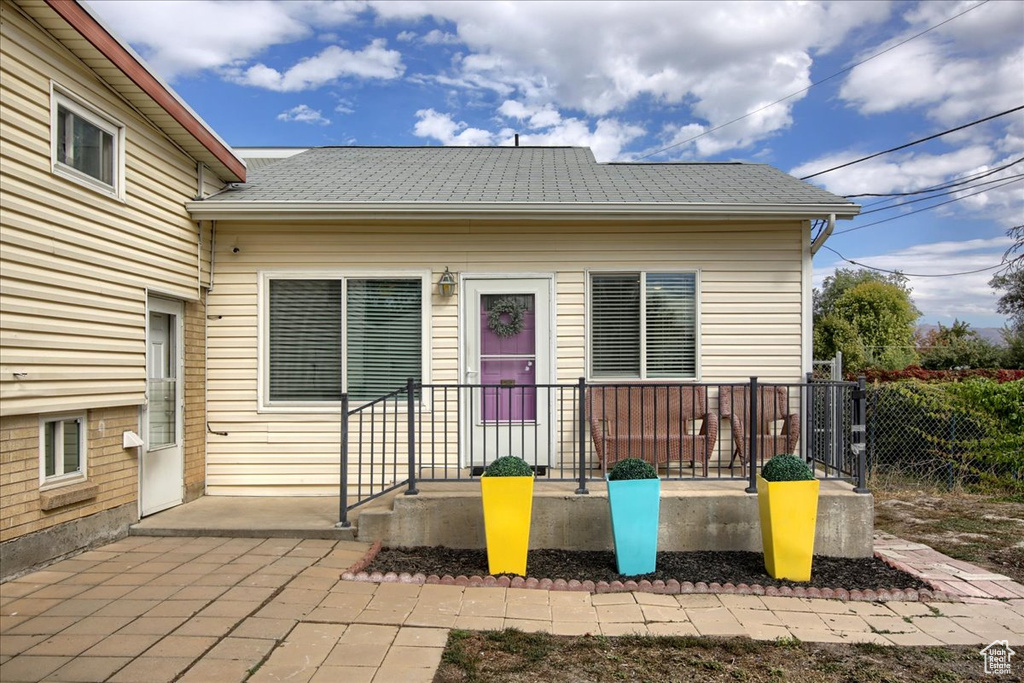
319	211
819	241
83	21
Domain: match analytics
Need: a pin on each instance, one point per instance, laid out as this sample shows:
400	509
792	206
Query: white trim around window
644	345
58	434
264	402
96	163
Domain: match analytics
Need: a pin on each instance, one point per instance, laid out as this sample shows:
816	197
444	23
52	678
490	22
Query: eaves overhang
227	210
85	35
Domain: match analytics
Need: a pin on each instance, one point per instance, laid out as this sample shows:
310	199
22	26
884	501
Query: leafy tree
845	279
1014	338
868	316
1011	303
958	346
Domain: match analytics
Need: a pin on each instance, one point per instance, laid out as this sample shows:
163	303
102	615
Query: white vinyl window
62	449
363	335
86	145
643	325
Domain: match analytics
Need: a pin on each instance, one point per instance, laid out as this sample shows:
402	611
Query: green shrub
632	468
968	433
786	468
508	466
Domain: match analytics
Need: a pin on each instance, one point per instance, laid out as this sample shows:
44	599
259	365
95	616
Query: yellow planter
789	513
508	503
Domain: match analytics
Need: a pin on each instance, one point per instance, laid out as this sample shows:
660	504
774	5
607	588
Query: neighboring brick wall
109	466
195	400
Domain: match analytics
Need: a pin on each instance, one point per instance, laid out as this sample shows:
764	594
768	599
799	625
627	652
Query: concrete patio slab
308	625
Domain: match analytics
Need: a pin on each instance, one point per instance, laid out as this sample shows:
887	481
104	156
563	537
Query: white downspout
820	239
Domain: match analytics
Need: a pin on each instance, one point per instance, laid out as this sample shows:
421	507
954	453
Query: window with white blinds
385	341
373	327
643	325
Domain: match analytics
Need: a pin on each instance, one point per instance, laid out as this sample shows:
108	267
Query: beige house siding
77	263
752	291
76	268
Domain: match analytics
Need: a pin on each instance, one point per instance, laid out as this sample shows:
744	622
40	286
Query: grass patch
515	657
981	529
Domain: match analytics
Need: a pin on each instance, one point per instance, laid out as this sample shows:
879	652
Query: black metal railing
576	432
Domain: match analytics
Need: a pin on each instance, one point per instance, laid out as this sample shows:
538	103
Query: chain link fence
928	436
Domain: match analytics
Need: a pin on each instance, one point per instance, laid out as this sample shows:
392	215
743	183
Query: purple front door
508	358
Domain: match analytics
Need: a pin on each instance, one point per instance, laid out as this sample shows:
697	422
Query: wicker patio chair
654	423
778	429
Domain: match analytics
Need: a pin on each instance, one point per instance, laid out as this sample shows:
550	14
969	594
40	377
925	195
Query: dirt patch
511	656
707	566
984	530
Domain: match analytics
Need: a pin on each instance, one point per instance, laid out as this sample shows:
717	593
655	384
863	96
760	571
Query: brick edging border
671	587
907	569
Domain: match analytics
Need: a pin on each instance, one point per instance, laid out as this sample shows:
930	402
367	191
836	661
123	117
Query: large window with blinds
363	335
643	325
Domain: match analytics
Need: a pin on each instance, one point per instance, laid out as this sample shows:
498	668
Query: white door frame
466	326
158	304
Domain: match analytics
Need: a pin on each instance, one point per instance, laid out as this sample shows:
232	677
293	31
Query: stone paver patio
152	609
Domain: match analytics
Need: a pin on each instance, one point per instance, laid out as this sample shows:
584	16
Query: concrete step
336	534
249	517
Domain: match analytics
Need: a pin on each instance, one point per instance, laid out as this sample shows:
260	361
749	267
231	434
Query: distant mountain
992	334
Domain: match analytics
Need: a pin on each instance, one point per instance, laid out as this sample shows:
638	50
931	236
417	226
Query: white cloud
187	36
373	61
439	37
406	36
606	139
941	298
444	129
726	59
897	172
966	69
909	172
547	128
543	116
304	114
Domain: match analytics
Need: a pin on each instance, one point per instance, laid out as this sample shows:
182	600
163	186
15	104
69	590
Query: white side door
162	472
504	414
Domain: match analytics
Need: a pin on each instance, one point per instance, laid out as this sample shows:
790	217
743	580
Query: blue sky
630	79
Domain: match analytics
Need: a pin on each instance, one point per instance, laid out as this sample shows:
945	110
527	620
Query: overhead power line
935	188
933	206
940	194
900	272
827	78
915	142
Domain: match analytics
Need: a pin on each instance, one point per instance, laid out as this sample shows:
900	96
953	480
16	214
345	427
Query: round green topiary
508	466
786	468
632	468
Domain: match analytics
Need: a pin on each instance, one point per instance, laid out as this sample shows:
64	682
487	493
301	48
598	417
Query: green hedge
968	433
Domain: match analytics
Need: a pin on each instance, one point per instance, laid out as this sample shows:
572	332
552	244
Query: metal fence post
752	434
807	427
859	446
343	522
582	488
410	401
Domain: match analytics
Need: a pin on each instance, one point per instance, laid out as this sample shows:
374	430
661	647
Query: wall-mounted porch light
446	285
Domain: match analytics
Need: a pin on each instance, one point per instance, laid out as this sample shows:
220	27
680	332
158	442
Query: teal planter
634	505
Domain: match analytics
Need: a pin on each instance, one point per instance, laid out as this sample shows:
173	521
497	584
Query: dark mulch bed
707	566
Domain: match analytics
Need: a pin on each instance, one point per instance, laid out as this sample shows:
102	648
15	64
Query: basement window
62	449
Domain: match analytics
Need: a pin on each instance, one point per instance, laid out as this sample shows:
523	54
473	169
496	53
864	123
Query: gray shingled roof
513	175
